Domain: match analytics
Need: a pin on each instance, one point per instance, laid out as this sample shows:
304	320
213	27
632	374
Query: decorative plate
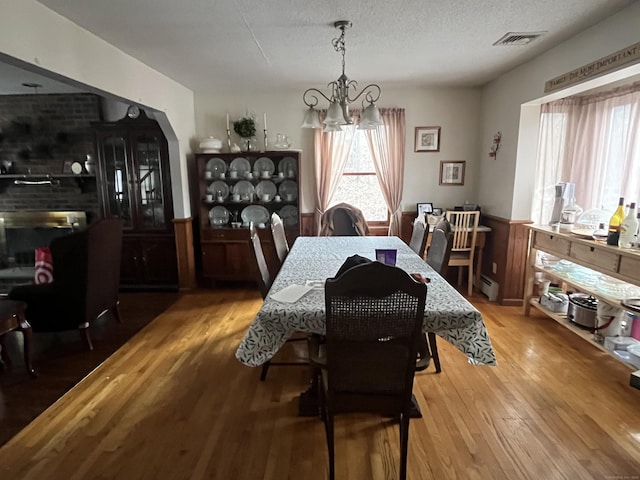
218	188
289	215
240	165
268	187
216	166
245	189
288	166
219	216
263	164
288	187
256	214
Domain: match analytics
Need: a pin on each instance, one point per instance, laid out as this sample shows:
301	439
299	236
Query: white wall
505	184
457	111
31	35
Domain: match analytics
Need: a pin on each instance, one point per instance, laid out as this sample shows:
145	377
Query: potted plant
246	128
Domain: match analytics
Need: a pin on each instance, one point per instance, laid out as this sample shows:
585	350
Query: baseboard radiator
489	287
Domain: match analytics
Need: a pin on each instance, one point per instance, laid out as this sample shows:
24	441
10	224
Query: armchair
86	278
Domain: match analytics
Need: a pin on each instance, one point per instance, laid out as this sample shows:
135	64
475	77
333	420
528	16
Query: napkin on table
291	294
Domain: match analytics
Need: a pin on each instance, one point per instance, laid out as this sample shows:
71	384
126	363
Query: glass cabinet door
114	154
148	165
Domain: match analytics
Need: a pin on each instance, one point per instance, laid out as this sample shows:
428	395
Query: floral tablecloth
447	313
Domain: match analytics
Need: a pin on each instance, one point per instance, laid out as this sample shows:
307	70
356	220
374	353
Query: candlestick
228	137
227	121
264	116
266	142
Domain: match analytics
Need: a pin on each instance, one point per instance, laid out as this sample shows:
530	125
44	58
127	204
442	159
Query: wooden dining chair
419	236
465	232
343	220
279	237
438	258
264	280
374	314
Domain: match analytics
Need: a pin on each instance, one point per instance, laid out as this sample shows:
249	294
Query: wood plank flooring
174	403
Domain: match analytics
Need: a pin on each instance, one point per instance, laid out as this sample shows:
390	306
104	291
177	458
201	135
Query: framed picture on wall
427	139
424	208
452	173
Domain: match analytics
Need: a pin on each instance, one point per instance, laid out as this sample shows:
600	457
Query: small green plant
245	127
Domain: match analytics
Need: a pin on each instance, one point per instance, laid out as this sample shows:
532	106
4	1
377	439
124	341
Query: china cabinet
234	190
606	272
134	182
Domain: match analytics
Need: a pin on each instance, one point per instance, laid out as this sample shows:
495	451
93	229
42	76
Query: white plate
240	165
243	187
216	166
256	214
286	165
288	187
583	232
268	187
263	164
219	216
289	215
218	188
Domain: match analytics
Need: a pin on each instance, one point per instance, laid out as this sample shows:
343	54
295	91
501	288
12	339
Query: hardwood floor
174	403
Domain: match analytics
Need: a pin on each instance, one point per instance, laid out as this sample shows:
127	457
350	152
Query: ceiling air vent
518	38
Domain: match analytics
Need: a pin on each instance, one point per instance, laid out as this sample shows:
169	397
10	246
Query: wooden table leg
308	405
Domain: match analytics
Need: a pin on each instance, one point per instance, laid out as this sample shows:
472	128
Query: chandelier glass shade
340	97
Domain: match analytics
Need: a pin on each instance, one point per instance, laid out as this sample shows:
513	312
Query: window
359	184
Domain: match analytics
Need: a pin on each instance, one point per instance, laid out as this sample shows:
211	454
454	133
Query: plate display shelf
620	263
234	189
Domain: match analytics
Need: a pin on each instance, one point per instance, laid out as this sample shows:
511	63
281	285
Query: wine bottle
628	228
614	224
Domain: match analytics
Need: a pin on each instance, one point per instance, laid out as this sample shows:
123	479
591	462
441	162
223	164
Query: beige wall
35	38
457	111
505	186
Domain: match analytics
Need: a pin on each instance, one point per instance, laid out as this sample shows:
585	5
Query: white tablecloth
447	312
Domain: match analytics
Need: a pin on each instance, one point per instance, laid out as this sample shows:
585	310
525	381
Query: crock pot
583	310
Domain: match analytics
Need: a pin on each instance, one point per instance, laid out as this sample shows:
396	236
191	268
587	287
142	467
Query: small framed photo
452	173
437	211
66	166
424	208
427	139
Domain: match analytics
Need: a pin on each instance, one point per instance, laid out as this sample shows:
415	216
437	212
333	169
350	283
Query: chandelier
340	99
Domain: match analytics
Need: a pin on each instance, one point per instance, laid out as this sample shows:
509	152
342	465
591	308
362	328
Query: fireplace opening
22	232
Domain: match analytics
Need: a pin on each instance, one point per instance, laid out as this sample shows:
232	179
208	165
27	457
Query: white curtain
594	142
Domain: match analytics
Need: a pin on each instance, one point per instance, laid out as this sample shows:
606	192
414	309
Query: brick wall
38	133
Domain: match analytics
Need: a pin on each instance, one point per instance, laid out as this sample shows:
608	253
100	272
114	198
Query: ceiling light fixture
339	99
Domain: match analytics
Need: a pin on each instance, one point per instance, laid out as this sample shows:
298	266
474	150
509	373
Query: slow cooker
583	310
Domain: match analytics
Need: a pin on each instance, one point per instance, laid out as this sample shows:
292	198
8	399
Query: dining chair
374	315
279	237
419	236
465	231
438	258
343	220
264	280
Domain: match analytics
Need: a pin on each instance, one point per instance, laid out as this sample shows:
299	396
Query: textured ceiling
210	45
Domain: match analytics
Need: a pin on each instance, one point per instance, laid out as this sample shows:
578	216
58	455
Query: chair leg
433	346
470	286
328	424
459	275
424	357
265	369
84	332
404	443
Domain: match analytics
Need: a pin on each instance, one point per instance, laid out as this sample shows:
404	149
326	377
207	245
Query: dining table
312	260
